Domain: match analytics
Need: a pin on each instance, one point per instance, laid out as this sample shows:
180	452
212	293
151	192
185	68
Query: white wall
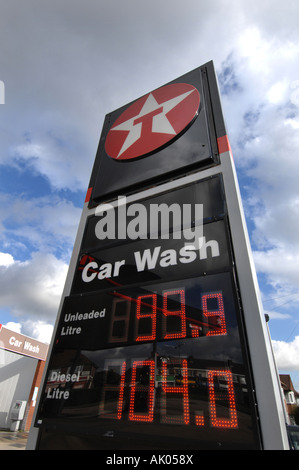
16	377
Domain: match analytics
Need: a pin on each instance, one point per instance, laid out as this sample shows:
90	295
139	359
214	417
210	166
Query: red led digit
199	420
143	302
109	411
121	392
175	389
149	388
226	392
219	326
177	313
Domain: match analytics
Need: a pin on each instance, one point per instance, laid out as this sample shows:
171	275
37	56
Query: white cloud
280	266
32	290
278	316
278	224
262	114
13	326
48	224
6	259
287	354
40	330
278	93
58	155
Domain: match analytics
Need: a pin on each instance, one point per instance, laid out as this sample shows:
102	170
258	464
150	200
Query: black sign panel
209	193
153	260
114	262
150	351
168	132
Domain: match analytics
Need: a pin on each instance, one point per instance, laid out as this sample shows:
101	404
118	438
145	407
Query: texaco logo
153	121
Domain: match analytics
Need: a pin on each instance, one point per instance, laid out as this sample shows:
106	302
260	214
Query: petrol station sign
153	121
153	345
162	135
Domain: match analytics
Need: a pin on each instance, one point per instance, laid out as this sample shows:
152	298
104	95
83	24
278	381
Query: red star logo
152	121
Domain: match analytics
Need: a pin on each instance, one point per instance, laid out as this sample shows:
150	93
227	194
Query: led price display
150	350
168	356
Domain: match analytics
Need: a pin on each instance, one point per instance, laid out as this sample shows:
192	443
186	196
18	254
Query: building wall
31	403
16	376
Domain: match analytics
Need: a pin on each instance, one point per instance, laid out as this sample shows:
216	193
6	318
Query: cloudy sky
64	64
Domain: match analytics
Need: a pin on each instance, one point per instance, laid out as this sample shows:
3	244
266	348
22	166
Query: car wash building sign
150	348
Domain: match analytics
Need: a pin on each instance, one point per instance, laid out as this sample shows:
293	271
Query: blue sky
65	64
